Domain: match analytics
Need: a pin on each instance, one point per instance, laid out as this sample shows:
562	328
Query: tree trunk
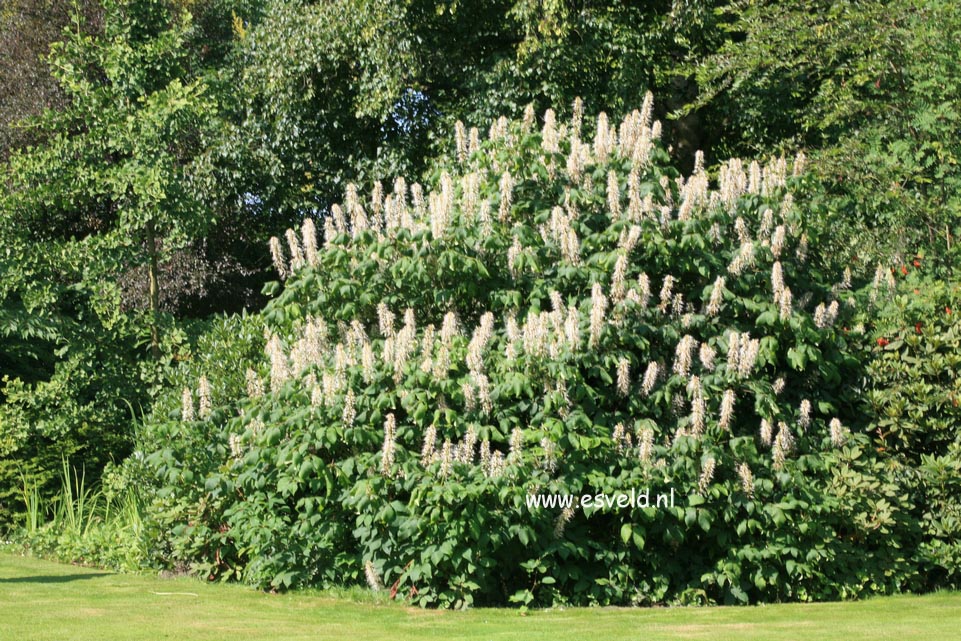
154	292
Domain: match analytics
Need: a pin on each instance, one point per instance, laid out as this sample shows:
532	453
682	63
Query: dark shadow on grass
63	578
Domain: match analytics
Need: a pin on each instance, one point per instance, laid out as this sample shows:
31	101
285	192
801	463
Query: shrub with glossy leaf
561	312
914	401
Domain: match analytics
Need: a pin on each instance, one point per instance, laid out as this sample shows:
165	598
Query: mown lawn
40	600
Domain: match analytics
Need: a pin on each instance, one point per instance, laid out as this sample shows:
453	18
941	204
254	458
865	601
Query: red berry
883	342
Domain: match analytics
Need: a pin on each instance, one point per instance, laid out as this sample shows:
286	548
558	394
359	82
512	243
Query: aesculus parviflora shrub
560	312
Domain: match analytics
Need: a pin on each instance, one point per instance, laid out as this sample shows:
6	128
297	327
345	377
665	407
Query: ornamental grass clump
556	310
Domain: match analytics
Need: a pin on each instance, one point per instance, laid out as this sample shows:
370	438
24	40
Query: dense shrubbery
554	316
914	401
68	392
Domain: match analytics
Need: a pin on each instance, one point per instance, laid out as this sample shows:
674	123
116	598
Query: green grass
40	600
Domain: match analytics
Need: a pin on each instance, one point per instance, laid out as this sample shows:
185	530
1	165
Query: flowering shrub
562	312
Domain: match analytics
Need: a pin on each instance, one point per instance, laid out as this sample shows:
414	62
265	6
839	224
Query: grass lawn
40	600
